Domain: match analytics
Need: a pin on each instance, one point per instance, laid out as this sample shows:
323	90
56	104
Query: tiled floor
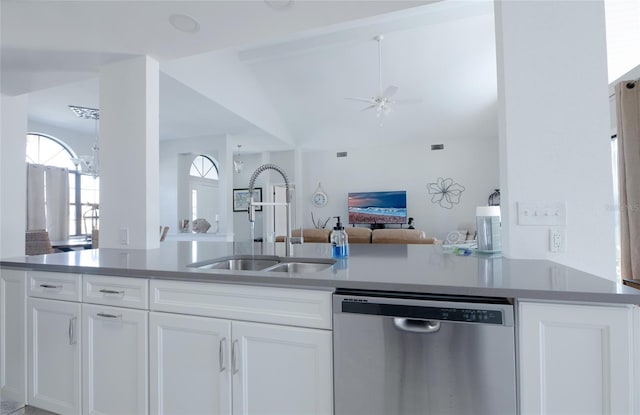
8	407
30	410
12	408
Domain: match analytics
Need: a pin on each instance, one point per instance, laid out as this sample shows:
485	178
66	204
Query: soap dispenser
339	241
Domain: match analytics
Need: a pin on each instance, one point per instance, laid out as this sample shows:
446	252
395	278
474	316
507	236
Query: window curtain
628	114
35	197
57	202
48	200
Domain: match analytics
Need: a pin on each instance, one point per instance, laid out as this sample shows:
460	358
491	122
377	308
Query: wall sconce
237	163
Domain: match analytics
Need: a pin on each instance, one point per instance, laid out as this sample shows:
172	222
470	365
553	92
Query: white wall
471	163
230	84
80	143
241	181
129	154
266	180
175	160
554	128
13	130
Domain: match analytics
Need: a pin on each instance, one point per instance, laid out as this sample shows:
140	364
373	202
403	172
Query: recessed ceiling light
184	23
279	4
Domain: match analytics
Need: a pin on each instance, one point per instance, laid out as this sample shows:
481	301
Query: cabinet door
13	323
575	359
114	360
54	355
189	364
281	370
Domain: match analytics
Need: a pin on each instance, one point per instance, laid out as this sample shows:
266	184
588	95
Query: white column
13	139
554	128
129	154
225	185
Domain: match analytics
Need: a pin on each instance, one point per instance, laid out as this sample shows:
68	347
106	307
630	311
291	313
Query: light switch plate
123	235
542	213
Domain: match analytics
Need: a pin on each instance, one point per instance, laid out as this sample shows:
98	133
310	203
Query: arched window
202	166
83	189
49	151
203	185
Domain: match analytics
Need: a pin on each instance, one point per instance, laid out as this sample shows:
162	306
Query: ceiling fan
383	102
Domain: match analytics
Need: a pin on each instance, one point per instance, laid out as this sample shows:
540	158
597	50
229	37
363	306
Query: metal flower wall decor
445	192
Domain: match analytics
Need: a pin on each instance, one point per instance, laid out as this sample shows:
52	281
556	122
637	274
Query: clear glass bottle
339	241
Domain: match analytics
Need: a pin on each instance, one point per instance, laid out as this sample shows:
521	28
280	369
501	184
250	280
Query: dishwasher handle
413	325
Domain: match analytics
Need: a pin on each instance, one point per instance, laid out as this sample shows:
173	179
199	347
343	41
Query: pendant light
89	164
237	163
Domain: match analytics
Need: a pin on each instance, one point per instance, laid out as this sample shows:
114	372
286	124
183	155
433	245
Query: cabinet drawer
116	291
288	306
55	285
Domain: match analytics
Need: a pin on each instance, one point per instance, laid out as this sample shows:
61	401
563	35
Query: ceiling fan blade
390	91
370	107
407	101
360	99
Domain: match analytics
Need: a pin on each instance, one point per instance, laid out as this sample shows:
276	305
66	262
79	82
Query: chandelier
88	164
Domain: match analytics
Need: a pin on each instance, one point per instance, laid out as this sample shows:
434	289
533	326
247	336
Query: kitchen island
575	332
406	268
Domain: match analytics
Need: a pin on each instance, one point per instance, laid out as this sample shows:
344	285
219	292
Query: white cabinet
281	370
13	348
189	364
116	291
93	348
54	334
55	285
199	363
114	360
115	345
104	346
577	359
54	342
221	365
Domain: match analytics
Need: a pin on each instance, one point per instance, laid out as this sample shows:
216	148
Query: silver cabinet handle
416	326
221	354
107	291
50	286
107	315
72	330
234	366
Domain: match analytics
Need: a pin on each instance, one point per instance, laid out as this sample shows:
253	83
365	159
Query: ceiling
292	63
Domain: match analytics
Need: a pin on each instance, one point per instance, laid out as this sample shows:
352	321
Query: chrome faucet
287	204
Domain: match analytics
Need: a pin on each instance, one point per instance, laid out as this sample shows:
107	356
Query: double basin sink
266	263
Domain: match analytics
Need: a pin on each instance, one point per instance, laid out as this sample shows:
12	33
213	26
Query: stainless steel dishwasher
398	354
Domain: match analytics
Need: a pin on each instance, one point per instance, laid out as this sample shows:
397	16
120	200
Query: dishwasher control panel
468	315
471	315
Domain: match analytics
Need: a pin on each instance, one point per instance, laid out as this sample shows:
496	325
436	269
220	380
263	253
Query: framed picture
241	199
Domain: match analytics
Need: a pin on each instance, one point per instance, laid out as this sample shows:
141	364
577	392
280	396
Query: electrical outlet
124	236
557	239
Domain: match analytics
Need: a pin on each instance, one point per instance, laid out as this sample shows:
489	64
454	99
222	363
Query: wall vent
437	146
341	154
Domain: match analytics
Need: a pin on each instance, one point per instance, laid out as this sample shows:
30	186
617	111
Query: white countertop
406	268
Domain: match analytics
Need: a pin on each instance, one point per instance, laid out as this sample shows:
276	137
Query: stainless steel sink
247	263
266	263
300	267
